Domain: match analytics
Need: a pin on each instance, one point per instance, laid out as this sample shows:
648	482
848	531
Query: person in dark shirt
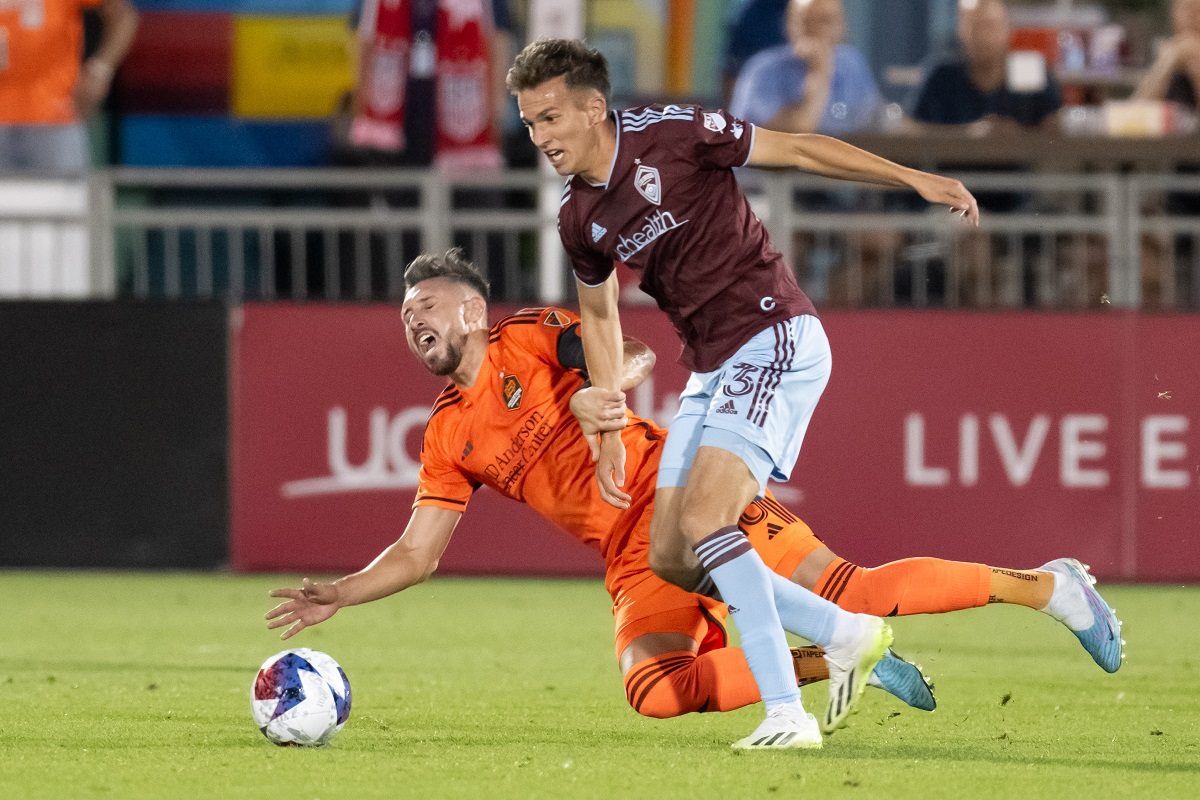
970	88
1175	77
1175	74
654	188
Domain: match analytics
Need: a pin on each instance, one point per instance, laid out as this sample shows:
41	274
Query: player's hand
947	192
610	470
309	605
598	411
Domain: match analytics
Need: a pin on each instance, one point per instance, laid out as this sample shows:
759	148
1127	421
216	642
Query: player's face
563	124
435	324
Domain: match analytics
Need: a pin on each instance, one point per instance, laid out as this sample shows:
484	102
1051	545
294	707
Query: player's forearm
833	158
600	330
392	571
407	562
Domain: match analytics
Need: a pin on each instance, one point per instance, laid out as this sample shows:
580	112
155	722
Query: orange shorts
644	604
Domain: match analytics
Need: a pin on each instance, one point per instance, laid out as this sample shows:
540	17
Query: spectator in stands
1175	74
813	83
970	88
45	94
969	91
754	26
459	49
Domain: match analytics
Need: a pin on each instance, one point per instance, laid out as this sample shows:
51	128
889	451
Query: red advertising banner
1009	438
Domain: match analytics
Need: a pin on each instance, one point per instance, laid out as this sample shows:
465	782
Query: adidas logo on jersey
598	232
728	408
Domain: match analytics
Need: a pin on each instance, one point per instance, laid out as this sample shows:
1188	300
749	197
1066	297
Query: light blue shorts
756	405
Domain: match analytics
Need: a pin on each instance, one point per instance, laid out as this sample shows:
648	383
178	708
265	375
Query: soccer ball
300	697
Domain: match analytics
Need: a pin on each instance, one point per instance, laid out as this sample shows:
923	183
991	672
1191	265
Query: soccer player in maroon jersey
654	188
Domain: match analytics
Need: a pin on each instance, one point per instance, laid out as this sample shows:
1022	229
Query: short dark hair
546	59
452	266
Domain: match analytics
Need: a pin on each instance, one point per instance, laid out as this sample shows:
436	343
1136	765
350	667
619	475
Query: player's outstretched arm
600	329
407	562
833	158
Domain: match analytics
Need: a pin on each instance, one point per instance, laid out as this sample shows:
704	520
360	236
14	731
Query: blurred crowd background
252	83
206	208
1011	92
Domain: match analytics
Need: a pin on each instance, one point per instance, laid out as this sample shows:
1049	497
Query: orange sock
910	586
680	683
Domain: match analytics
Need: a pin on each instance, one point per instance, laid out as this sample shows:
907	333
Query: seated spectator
754	26
1175	74
970	88
812	84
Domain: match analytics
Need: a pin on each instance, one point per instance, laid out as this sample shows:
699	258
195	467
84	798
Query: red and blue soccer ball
300	698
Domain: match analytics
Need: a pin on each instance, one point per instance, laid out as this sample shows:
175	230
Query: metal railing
314	234
1045	241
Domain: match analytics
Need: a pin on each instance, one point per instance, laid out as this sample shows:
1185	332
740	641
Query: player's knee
672	559
660	691
675	569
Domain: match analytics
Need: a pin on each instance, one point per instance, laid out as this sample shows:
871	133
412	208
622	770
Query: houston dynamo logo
648	184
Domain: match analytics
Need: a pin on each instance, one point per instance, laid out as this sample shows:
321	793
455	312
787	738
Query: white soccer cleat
1076	604
783	730
850	665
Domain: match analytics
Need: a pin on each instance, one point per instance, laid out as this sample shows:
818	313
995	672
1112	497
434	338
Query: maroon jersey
672	210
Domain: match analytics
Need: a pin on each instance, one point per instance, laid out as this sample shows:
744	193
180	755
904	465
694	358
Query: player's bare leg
671	555
719	487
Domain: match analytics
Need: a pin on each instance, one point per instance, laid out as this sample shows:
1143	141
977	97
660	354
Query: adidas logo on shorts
728	408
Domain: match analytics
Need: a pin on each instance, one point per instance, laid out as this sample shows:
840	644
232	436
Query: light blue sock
804	613
743	581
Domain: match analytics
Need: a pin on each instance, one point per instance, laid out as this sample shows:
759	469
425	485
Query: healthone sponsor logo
655	226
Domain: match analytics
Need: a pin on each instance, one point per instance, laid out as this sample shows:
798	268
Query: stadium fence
1053	241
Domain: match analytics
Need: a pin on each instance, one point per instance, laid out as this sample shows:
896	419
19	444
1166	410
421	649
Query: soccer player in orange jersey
506	421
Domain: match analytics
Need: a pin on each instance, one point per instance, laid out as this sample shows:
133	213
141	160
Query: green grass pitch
130	685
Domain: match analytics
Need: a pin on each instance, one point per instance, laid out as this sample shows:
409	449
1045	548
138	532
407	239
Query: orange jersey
513	431
41	44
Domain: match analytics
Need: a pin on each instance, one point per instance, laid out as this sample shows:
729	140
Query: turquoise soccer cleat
904	681
1076	604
